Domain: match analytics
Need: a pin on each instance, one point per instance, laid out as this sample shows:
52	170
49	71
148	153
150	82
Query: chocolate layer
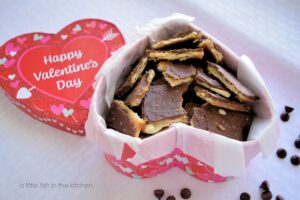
176	73
160	81
242	92
219	101
123	119
162	102
180	70
221	121
189	108
209	83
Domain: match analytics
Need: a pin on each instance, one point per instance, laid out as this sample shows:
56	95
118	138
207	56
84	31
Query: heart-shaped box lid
50	76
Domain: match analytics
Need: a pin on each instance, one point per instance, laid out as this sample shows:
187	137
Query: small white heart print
23	93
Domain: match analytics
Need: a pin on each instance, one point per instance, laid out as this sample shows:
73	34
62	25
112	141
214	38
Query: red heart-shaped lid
50	76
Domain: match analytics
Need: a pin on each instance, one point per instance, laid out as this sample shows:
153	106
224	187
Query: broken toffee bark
211	84
133	77
208	44
219	101
234	85
221	121
182	37
123	119
176	73
163	107
137	95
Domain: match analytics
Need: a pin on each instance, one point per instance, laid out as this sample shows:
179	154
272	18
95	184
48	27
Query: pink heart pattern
14	84
57	109
28	96
85	102
21	40
102	26
92	24
9	63
9	48
45	39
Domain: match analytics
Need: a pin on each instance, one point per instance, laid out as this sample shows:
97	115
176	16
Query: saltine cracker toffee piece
234	85
177	73
219	101
211	84
123	119
182	37
221	121
137	95
208	44
163	106
133	77
175	54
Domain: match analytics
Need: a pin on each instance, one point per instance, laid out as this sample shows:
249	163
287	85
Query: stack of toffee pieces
182	79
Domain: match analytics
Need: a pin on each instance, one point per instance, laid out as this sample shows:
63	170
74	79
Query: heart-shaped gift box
207	156
50	76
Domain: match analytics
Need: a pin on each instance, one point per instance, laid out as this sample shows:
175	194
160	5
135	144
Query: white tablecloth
40	162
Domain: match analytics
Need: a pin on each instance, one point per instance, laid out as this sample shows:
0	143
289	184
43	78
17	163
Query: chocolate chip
185	193
159	193
245	196
279	197
288	109
170	198
265	186
295	160
285	117
266	195
281	153
297	143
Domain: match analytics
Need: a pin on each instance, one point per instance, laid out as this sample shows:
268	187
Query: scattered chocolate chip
297	143
266	195
281	153
245	196
265	186
295	160
288	109
159	193
185	193
170	198
279	197
285	117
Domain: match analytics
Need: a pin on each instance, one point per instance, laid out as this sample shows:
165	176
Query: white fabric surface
31	152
